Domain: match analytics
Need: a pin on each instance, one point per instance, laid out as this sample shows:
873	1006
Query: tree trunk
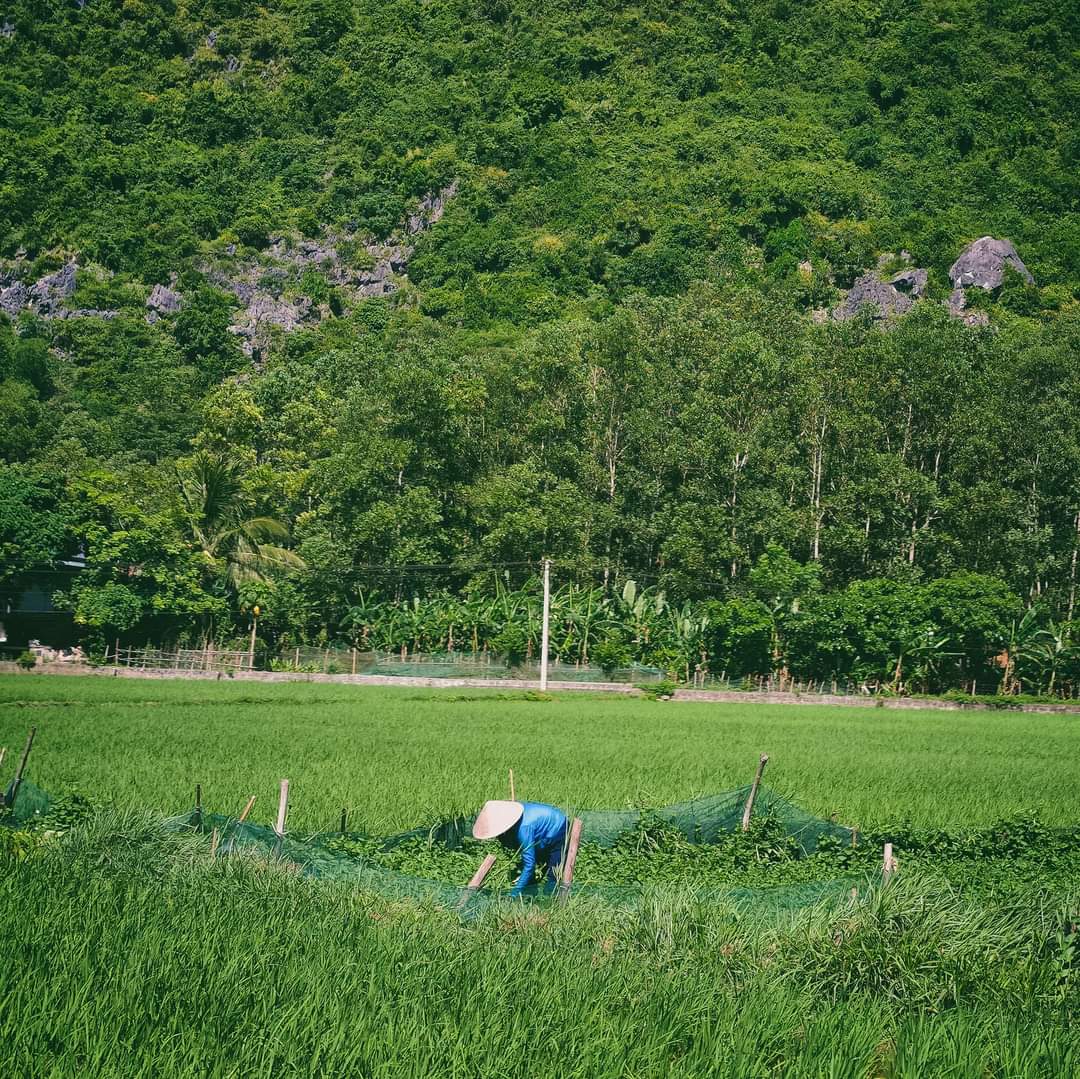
1072	569
817	469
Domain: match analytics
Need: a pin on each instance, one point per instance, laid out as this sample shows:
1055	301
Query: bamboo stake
753	792
513	796
477	881
889	864
213	844
282	809
3	754
230	845
17	782
198	804
571	859
344	819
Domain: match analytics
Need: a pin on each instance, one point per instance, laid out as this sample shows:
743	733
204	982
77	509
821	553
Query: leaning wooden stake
230	844
889	864
477	881
17	782
571	859
753	792
513	796
213	843
3	754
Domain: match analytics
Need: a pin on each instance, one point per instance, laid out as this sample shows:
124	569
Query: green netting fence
28	803
700	820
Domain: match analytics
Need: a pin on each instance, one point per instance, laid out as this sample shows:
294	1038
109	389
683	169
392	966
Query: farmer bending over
535	829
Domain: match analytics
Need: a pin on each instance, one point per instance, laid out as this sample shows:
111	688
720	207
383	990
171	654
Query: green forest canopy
606	350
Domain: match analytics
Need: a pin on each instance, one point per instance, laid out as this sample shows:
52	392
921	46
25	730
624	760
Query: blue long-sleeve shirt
540	833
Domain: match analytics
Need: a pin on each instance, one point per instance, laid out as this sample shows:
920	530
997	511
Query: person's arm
528	864
526	837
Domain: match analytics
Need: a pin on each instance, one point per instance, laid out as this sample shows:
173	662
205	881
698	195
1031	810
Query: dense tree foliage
604	352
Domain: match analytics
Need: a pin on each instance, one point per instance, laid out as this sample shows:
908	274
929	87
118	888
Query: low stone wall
699	695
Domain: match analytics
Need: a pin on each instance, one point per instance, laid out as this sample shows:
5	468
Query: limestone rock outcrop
983	263
889	297
266	285
163	301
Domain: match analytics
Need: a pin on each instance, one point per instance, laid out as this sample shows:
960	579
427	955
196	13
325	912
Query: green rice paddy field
128	951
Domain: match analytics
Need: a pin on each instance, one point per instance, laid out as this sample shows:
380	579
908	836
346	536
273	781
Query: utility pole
251	646
544	631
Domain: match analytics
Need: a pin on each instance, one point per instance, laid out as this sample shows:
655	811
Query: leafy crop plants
129	950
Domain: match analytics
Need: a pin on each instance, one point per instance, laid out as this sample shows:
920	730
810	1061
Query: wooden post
296	661
247	810
854	837
251	645
889	864
477	881
545	634
353	667
198	805
213	843
513	796
3	754
567	877
344	819
753	792
283	808
17	782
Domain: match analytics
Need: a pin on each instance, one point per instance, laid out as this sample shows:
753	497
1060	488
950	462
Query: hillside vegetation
456	286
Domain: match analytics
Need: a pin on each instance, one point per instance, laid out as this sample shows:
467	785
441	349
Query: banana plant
924	653
641	609
1023	636
1048	652
364	617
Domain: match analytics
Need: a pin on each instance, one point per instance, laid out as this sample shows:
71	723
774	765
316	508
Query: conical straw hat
495	818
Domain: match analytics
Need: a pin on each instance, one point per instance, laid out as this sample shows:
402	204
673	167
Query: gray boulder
164	301
14	298
47	295
886	298
983	263
910	282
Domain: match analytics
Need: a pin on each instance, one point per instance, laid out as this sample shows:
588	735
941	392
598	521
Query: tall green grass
398	757
127	952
